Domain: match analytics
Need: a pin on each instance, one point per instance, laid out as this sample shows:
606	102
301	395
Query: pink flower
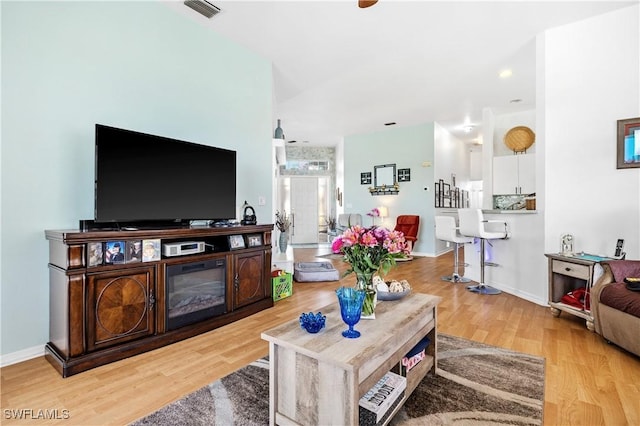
336	245
374	212
369	240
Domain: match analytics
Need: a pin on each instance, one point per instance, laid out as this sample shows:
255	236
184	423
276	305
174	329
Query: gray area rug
476	384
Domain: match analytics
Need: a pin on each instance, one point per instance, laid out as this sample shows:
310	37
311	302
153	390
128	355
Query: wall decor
628	143
404	175
384	180
365	178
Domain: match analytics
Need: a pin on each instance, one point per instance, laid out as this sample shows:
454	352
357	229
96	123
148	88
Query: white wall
136	65
452	156
591	79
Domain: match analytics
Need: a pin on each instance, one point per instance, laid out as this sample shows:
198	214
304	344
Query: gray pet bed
315	271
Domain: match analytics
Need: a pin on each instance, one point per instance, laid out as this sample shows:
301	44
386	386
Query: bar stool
472	224
446	230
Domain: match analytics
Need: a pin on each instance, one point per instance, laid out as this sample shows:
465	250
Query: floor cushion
315	271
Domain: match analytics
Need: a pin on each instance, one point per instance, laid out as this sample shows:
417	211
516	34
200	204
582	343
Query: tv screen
142	177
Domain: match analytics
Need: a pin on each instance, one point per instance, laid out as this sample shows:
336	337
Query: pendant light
278	134
366	3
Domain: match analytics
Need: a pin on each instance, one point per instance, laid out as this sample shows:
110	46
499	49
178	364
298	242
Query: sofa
615	308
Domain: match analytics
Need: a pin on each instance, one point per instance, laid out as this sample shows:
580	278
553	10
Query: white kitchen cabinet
514	174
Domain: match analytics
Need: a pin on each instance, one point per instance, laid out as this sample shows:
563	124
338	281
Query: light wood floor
587	381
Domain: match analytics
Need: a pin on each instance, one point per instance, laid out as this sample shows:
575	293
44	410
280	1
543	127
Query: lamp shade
383	211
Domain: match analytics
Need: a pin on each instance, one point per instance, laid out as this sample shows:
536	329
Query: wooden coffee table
318	379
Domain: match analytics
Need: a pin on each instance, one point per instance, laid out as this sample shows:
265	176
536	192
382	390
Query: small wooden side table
568	273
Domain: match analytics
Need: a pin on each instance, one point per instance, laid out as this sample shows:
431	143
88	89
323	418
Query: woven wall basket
519	138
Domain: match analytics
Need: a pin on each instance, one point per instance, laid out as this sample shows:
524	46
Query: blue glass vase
350	308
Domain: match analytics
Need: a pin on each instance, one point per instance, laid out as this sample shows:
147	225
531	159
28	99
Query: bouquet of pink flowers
370	250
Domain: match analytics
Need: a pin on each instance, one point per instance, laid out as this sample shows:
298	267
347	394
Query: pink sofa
615	308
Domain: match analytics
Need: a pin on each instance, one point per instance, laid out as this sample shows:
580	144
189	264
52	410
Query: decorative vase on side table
364	281
283	242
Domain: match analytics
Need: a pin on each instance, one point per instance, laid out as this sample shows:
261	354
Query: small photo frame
236	242
150	250
114	252
365	178
254	240
404	175
134	251
94	254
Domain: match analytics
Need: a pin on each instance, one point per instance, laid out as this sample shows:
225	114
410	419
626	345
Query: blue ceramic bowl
312	322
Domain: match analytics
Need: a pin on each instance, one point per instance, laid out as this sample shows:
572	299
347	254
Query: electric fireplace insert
195	292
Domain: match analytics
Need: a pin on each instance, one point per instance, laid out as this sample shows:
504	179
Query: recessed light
505	73
391	123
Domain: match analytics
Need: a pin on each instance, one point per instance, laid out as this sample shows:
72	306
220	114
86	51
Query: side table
568	273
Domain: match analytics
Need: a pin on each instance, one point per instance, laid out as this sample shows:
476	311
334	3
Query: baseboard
521	294
22	355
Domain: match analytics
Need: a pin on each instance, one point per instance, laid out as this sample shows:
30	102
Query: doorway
305	199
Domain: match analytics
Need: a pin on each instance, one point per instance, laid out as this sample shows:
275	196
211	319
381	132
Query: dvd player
182	248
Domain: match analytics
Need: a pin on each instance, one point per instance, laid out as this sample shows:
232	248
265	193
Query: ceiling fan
366	3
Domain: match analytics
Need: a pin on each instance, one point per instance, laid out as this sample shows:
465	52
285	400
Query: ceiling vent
203	7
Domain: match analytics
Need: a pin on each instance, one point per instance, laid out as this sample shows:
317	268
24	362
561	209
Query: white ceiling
340	70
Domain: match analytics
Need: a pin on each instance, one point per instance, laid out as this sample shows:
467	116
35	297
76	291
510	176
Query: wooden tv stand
320	378
130	319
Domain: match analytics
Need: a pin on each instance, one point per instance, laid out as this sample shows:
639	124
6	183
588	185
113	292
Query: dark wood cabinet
120	307
107	312
248	276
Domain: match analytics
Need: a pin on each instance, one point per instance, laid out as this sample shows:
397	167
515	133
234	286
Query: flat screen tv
142	178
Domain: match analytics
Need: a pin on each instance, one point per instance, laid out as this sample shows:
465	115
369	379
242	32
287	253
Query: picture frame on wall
628	147
404	175
365	178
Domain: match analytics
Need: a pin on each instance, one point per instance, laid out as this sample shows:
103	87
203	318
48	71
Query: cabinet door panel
505	175
248	279
527	173
120	307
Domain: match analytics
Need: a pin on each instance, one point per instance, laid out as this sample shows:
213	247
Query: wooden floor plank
587	381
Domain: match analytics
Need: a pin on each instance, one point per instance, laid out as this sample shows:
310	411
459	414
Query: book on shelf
414	356
377	404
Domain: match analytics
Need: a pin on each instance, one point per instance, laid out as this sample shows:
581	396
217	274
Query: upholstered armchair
347	220
408	225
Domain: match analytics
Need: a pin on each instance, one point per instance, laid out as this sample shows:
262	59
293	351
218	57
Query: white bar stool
472	224
446	230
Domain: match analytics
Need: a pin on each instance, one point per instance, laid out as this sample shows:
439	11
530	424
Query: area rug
476	384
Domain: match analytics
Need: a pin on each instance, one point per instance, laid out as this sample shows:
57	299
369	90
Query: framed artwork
628	143
236	242
254	240
95	254
365	178
404	175
150	250
114	252
134	251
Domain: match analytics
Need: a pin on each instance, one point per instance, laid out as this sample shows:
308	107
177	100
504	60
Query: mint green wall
407	147
136	65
